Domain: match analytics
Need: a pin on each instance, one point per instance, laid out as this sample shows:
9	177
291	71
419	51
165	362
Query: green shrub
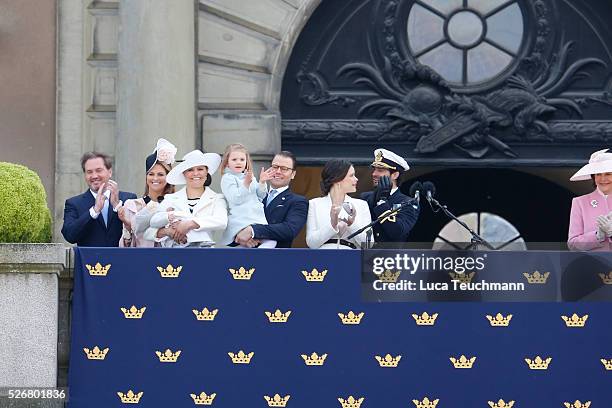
24	216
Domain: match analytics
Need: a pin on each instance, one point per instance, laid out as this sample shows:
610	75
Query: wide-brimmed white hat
193	159
600	162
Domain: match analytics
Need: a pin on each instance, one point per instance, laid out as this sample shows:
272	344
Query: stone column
29	314
157	83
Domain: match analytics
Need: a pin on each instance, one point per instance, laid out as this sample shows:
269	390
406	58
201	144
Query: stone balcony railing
30	349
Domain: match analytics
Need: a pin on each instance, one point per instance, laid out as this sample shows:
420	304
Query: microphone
160	199
430	190
415	190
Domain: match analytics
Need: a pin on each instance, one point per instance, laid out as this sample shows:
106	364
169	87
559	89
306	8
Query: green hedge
24	216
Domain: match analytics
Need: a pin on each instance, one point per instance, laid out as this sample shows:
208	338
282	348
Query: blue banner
257	328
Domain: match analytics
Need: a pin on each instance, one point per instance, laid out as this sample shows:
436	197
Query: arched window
496	230
466	41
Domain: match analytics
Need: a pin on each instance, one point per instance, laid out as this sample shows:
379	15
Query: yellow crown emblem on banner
389	276
350	317
314	359
606	279
462	277
499	320
575	320
133	312
278	316
98	269
388	361
129	397
577	404
536	277
501	404
607	363
538	363
351	402
241	357
315	275
205	314
463	362
169	271
168	356
277	400
242	273
426	403
96	353
425	319
203	399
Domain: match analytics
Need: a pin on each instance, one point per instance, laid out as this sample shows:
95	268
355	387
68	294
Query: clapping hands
342	216
248	178
604	224
351	212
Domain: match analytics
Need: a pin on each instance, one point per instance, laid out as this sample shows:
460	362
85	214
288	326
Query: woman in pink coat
136	213
590	226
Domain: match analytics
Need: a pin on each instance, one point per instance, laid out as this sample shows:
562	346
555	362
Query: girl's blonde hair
236	147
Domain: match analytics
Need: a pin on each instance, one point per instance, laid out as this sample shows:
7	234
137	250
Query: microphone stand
383	216
476	239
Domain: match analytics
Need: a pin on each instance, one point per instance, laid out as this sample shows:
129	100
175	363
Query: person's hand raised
351	211
266	175
336	194
113	187
383	190
248	177
100	198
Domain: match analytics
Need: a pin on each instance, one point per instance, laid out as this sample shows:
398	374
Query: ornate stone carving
468	121
314	91
396	98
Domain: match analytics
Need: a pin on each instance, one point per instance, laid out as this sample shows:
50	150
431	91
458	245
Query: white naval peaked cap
386	159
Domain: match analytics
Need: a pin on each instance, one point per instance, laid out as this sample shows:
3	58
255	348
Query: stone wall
29	319
27	71
107	99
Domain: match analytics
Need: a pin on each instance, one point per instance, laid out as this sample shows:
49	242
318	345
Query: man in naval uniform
387	168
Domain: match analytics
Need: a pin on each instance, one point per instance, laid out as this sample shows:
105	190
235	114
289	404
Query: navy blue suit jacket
399	230
286	216
79	228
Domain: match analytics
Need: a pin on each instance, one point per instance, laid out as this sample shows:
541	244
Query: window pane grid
466	41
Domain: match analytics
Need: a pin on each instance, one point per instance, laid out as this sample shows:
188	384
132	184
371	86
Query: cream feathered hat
164	152
600	162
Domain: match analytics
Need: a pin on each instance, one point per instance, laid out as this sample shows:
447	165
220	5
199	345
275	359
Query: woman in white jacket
335	216
189	216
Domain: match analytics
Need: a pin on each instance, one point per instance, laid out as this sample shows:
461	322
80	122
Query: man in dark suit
90	219
286	212
387	168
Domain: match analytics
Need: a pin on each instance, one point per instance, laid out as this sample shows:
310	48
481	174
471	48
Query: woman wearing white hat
136	213
590	226
195	211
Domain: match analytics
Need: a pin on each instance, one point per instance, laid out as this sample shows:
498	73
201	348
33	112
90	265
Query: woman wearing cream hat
590	226
195	211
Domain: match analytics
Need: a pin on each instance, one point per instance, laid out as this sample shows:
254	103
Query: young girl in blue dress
243	193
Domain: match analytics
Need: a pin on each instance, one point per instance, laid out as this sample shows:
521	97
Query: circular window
497	231
465	41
